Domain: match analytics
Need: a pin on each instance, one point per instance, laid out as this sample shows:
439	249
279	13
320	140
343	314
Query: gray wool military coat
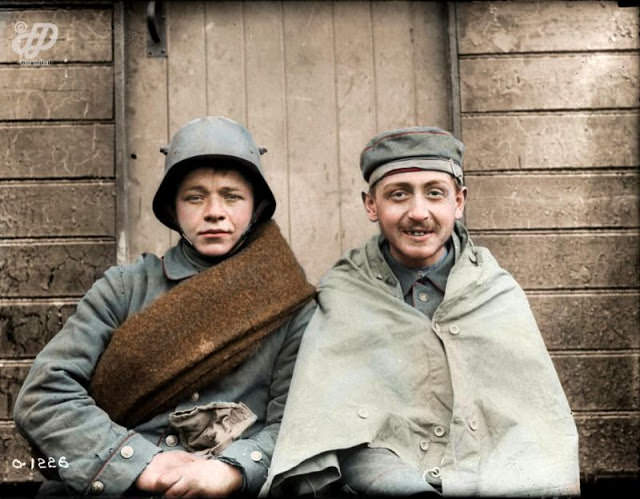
55	411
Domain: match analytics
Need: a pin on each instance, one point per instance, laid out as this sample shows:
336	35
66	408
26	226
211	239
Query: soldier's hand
153	477
202	478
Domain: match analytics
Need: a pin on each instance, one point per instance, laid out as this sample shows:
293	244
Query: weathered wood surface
52	268
585	81
83	34
14	446
567	140
312	135
50	93
147	131
56	151
430	41
566	260
187	72
12	375
583	321
356	103
553	201
226	89
609	444
599	382
394	64
497	27
266	96
48	209
25	327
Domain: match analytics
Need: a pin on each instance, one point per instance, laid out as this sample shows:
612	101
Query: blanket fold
200	330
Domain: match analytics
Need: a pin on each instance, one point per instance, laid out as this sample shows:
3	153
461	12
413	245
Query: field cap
410	149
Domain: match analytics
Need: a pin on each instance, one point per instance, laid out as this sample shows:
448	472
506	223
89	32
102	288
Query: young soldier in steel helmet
171	377
423	370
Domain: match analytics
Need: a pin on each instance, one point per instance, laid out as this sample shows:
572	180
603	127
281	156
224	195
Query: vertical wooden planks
394	65
226	83
147	131
265	89
356	108
187	64
312	134
430	61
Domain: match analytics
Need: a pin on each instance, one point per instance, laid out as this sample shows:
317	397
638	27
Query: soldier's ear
370	206
461	198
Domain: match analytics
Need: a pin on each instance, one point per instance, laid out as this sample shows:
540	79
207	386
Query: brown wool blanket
200	330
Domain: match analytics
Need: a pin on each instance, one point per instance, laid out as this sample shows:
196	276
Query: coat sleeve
253	455
56	413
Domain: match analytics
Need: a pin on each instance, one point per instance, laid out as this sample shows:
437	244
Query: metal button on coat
434	472
424	445
422	296
379	277
453	329
126	452
438	431
363	413
97	487
256	456
171	440
473	424
195	396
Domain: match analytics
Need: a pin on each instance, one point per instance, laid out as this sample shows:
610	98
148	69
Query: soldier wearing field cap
422	370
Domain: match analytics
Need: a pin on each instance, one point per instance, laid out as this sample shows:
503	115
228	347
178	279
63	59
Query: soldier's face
214	208
416	212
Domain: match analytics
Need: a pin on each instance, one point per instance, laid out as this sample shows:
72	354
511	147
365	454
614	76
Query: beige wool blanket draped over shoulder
200	330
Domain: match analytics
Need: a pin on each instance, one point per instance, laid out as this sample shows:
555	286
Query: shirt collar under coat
437	273
381	270
182	261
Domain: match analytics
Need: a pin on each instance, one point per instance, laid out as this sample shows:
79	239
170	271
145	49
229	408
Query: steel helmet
205	142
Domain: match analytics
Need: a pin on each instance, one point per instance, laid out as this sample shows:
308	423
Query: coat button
97	487
171	440
438	431
473	424
126	452
379	277
256	456
453	329
195	397
391	281
363	413
433	473
422	296
424	445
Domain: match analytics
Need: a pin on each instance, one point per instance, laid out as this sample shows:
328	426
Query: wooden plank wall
313	81
549	94
57	189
